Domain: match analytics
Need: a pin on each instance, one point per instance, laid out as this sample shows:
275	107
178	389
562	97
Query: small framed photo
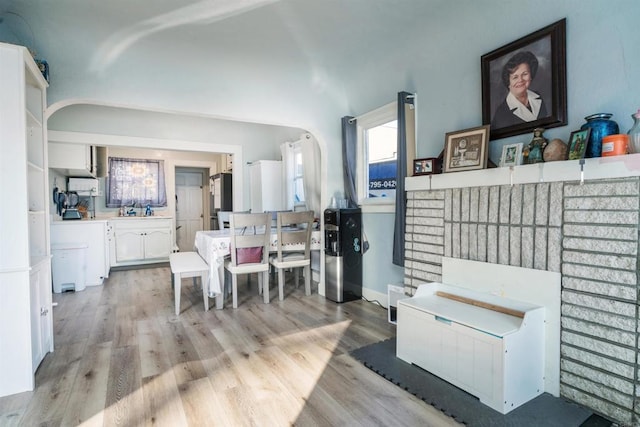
426	166
511	155
466	149
578	144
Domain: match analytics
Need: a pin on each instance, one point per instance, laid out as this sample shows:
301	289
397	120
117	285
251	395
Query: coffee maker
68	205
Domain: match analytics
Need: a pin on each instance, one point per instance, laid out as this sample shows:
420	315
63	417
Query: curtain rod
412	96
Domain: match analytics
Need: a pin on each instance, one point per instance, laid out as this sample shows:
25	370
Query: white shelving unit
26	326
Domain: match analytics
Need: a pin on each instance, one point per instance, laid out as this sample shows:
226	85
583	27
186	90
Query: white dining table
213	247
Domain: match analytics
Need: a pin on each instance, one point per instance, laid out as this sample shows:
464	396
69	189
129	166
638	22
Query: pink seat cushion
249	255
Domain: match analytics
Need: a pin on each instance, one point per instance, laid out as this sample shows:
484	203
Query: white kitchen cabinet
73	159
26	329
93	233
41	313
265	177
141	240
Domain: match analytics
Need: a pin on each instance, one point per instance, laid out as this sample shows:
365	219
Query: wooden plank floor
122	358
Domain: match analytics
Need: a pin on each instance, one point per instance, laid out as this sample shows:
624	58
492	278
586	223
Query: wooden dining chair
293	228
250	237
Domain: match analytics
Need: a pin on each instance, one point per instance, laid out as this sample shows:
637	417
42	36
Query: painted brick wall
587	232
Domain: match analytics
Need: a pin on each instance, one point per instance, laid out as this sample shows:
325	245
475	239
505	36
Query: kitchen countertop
106	219
139	217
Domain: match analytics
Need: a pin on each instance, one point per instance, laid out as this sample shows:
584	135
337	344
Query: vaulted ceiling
201	56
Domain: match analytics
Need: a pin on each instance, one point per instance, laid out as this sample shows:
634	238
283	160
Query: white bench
188	264
490	346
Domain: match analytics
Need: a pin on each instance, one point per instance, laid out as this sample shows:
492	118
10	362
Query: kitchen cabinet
26	328
266	183
141	240
78	160
95	234
41	313
228	163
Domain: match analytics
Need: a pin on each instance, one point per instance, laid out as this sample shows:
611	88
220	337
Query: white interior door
189	209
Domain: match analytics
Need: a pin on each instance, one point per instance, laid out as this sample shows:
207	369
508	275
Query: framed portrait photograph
511	155
466	149
524	83
426	166
578	144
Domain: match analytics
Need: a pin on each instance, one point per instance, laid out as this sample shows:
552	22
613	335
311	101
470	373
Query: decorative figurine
536	147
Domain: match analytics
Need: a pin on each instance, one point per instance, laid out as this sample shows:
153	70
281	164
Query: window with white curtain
298	175
136	182
377	155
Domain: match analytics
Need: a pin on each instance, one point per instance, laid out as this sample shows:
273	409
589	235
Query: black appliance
343	254
221	196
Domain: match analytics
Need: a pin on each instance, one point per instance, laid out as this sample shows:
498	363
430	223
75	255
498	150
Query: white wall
438	58
184	133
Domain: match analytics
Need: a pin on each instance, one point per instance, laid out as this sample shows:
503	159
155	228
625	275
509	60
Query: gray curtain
404	99
349	151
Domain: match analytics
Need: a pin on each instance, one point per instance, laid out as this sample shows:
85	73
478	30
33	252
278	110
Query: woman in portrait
521	104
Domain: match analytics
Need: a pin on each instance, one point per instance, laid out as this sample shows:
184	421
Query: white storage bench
489	346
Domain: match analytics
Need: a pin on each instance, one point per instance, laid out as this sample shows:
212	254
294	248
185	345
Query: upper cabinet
73	159
26	327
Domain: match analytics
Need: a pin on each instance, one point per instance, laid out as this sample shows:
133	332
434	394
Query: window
298	175
136	182
377	165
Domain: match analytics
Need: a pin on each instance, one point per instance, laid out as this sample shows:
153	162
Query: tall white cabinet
266	181
26	327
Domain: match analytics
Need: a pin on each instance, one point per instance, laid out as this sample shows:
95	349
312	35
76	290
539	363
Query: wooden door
189	208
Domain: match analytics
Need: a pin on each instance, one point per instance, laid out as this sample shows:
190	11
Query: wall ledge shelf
567	170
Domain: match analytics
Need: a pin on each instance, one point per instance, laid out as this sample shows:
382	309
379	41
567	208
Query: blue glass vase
601	125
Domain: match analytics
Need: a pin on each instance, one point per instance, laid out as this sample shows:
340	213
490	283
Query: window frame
297	150
385	114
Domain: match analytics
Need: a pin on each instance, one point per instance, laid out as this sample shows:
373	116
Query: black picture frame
426	166
578	144
549	82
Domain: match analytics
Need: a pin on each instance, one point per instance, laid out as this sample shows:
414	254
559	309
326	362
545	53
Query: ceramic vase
555	150
601	125
634	134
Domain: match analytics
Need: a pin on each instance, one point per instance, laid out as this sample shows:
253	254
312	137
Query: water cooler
343	254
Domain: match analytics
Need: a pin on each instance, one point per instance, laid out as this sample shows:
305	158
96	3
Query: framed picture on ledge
524	83
511	155
426	166
578	144
466	149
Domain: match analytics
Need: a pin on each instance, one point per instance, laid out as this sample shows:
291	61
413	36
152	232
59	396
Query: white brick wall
588	232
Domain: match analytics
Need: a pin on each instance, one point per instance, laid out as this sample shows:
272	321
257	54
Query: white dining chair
223	219
293	228
249	247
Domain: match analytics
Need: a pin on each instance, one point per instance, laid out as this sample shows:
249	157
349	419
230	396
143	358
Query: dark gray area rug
545	410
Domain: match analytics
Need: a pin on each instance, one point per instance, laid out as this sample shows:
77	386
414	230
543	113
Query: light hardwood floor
122	358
